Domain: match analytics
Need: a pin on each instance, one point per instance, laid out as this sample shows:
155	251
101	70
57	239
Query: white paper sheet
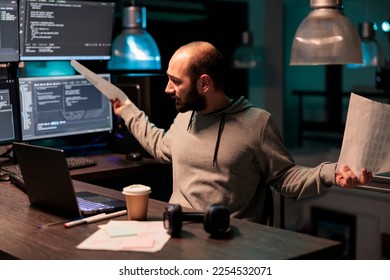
128	236
366	140
101	84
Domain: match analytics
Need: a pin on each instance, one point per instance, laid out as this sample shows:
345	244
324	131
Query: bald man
225	151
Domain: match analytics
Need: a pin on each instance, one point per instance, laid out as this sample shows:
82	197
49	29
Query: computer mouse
136	156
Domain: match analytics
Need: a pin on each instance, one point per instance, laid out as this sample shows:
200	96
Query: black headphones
216	221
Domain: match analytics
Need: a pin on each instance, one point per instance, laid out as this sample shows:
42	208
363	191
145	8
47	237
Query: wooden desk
19	237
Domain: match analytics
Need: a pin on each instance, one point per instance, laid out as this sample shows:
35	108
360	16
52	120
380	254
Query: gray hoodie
230	157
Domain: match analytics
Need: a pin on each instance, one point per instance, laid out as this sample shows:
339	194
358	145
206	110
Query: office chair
274	209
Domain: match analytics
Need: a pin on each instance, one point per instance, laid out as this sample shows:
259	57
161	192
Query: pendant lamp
134	48
246	56
372	52
326	36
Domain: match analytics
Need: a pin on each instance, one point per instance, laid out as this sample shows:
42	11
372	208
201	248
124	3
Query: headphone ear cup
217	220
173	217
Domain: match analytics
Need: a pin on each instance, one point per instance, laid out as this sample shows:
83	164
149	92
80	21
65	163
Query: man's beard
193	102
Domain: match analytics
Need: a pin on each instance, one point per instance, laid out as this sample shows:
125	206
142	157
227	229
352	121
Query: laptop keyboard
87	205
73	163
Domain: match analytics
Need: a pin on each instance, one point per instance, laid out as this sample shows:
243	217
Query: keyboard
15	174
88	206
79	162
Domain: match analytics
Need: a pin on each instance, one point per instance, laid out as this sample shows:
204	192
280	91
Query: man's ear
205	82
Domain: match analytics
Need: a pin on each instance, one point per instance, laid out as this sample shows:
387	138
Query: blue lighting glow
47	68
135	50
385	26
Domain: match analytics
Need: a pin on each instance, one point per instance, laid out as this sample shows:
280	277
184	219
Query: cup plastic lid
136	190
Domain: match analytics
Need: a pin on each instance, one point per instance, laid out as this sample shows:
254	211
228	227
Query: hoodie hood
236	105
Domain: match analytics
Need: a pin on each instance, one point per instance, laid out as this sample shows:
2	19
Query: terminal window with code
55	106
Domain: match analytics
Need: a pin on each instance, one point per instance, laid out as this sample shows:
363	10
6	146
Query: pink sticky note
133	243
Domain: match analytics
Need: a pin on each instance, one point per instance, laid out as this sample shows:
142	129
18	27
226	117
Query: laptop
49	185
381	177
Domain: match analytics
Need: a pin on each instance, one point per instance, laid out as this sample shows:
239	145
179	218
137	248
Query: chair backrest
274	209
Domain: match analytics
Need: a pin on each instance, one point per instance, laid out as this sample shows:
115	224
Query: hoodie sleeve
153	139
284	175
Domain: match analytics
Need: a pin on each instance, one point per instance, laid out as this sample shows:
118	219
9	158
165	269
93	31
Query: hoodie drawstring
190	122
221	125
220	130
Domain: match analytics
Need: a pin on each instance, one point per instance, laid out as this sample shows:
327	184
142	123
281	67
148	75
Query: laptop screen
49	185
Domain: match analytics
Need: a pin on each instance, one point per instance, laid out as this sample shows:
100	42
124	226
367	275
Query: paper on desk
366	140
100	83
128	236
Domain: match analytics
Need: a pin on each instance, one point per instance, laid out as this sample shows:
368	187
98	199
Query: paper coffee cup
137	200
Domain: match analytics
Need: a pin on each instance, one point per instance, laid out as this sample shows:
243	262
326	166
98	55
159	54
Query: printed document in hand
101	84
366	140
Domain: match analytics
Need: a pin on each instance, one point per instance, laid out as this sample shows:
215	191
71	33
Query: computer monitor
55	106
65	30
9	31
9	117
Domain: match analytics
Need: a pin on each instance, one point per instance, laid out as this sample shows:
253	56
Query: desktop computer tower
147	92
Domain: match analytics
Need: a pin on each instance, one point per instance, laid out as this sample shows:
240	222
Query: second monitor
64	30
55	106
